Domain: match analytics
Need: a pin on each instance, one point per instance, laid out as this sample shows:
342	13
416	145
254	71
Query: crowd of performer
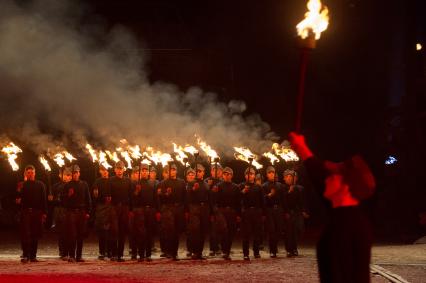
138	207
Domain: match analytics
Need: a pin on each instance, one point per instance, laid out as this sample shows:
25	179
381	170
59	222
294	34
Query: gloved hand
298	144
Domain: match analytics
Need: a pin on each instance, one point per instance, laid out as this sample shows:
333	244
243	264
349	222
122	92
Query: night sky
248	50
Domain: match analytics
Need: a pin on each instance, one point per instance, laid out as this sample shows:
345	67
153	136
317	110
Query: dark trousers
172	226
103	241
60	229
76	226
143	230
251	228
119	229
31	231
292	232
274	226
198	227
227	226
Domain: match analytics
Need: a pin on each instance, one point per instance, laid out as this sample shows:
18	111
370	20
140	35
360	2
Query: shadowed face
119	171
227	177
250	177
104	173
289	179
271	176
30	174
190	177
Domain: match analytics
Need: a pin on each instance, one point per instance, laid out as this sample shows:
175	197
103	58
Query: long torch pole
306	46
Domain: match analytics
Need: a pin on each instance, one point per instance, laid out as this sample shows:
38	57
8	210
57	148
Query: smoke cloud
60	85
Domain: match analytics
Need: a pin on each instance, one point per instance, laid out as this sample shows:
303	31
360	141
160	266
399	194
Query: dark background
365	85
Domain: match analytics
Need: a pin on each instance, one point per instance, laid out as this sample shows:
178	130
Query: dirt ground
408	261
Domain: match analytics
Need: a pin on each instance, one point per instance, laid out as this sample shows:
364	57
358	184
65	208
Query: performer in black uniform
344	250
32	199
77	203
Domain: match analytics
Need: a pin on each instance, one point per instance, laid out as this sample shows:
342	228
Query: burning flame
135	152
92	152
245	154
316	20
11	150
59	159
207	149
113	156
128	159
180	154
146	161
190	149
286	153
271	157
69	156
45	163
103	161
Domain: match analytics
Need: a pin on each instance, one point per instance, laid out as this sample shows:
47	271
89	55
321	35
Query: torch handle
301	94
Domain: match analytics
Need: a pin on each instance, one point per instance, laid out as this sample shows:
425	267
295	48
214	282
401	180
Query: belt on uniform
275	206
202	203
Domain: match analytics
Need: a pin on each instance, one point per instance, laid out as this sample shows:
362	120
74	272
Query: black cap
75	168
250	169
200	167
29	167
289	172
120	165
172	166
270	169
228	170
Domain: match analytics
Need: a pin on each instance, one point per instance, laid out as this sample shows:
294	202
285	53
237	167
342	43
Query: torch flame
207	149
271	157
190	149
245	154
112	155
316	20
11	150
128	159
103	161
135	152
59	159
180	154
285	153
45	163
69	156
92	152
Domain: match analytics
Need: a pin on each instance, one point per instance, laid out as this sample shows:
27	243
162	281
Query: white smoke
59	85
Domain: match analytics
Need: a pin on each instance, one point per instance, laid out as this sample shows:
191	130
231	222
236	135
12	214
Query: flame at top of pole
11	150
180	154
92	153
286	153
271	157
207	149
59	159
245	154
103	161
45	163
69	156
112	155
316	20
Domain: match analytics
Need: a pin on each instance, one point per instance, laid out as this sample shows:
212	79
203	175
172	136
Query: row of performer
140	207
